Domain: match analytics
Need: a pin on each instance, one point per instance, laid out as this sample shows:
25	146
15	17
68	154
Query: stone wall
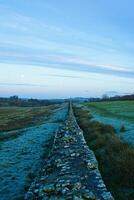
71	169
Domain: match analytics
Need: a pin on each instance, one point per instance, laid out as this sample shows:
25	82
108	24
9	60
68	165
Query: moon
22	76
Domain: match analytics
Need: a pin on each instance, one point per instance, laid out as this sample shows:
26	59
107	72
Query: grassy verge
115	109
37	170
15	118
115	157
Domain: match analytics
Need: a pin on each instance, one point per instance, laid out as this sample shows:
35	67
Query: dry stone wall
71	169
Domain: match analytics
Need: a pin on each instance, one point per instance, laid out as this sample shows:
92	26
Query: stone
29	196
66	146
36	191
107	196
77	186
101	185
65	184
88	195
64	190
43	178
92	165
72	154
49	188
77	198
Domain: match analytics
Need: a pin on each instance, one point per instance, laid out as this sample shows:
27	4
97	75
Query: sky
60	49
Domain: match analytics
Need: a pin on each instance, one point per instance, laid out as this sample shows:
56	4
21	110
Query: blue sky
57	49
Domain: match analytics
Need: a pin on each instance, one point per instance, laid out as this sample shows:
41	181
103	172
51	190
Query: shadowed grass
115	157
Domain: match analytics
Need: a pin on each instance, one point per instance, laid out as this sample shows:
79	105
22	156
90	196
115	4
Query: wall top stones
71	169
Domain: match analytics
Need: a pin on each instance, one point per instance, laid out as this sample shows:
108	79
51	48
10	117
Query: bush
122	129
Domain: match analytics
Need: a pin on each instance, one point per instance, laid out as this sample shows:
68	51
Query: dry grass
12	118
116	158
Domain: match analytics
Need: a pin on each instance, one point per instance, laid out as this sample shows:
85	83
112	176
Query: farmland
14	118
20	117
25	145
115	109
119	114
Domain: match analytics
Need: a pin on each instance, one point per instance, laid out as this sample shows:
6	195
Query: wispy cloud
23	84
63	76
114	93
65	62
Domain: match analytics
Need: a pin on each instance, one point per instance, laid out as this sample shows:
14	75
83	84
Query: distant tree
105	97
14	98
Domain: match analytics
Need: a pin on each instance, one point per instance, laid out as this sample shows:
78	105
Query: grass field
12	118
116	109
23	151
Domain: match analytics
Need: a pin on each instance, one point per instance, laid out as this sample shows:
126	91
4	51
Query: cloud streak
62	76
22	85
65	62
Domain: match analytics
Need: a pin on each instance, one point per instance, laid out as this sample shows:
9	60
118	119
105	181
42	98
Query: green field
116	109
12	118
